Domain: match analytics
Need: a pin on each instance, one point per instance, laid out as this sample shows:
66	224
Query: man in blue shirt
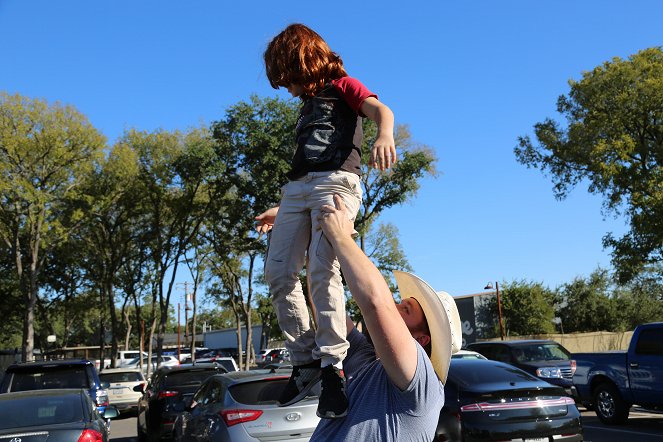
394	383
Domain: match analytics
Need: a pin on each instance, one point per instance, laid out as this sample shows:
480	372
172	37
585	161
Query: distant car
167	394
44	375
59	415
467	354
122	382
261	358
545	359
243	406
162	361
226	362
277	356
489	400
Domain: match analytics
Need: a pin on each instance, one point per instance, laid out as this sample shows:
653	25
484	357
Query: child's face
296	90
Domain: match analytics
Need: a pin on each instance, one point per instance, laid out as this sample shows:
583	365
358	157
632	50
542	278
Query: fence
585	342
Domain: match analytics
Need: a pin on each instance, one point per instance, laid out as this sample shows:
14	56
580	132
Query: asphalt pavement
640	427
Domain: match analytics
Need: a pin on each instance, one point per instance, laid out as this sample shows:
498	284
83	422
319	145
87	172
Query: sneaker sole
302	394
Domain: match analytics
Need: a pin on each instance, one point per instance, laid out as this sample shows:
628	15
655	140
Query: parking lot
641	427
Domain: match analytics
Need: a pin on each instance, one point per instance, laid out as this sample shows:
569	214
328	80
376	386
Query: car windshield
265	391
126	376
38	410
475	372
548	351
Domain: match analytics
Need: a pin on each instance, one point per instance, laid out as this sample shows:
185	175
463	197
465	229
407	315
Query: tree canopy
613	138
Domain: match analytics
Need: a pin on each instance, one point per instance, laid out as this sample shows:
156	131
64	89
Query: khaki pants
294	233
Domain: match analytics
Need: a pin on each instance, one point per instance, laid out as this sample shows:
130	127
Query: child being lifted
326	161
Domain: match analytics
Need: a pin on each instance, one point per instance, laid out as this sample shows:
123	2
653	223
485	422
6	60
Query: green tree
527	308
613	137
586	304
45	150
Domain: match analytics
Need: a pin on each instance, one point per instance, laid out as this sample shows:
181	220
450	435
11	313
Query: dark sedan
548	360
492	401
56	415
170	389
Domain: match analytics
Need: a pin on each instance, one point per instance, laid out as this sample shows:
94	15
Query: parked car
243	406
157	361
166	395
68	373
277	356
546	359
261	358
226	362
59	415
121	384
467	354
488	401
612	382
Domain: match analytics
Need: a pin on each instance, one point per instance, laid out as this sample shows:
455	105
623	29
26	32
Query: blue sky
469	77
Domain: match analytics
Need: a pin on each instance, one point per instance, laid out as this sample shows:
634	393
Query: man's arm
383	154
393	342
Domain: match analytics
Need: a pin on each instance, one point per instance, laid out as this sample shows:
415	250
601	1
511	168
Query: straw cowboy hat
442	316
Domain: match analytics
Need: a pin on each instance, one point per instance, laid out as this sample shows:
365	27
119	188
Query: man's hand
335	222
266	220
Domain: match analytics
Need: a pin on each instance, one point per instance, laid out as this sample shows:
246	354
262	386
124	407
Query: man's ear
423	340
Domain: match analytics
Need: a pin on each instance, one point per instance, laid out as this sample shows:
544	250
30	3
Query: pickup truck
612	382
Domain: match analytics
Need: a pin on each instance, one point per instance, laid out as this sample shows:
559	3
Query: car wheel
142	437
609	405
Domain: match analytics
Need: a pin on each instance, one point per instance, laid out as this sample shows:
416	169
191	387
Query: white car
261	358
121	382
467	354
226	362
163	361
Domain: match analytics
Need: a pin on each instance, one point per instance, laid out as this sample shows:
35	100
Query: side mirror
140	388
110	412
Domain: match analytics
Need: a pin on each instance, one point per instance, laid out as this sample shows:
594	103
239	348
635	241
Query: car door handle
634	365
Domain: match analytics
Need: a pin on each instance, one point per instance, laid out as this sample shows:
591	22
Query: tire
609	405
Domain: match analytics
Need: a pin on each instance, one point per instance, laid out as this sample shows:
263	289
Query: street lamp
489	286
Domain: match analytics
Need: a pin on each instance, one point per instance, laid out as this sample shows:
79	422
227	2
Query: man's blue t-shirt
380	411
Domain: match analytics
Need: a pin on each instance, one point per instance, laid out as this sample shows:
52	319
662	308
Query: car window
475	374
266	391
35	410
213	394
181	378
650	342
547	351
127	376
52	377
501	353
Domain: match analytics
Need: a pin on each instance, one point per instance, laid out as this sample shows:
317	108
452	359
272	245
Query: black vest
329	135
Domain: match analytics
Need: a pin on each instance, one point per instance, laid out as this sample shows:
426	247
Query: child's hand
383	154
266	220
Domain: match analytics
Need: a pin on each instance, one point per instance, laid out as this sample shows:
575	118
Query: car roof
483	367
120	370
53	363
187	367
515	342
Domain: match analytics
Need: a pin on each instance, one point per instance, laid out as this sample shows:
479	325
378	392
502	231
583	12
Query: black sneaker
333	402
302	379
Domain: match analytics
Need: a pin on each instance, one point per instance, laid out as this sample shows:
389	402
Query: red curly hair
298	55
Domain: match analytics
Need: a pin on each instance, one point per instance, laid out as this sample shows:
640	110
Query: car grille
567	372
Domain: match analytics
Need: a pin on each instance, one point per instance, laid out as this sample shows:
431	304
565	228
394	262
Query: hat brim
442	317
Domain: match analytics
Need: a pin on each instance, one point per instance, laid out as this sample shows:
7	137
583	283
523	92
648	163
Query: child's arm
266	220
383	154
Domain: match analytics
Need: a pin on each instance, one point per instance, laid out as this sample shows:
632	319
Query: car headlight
549	372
